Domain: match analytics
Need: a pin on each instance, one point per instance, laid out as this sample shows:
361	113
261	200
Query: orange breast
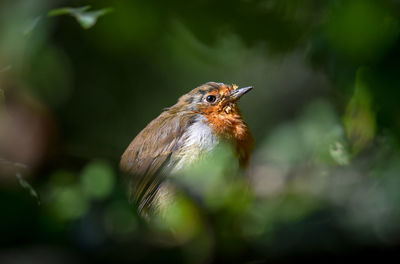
227	122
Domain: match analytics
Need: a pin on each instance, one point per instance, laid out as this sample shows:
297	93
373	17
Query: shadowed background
77	85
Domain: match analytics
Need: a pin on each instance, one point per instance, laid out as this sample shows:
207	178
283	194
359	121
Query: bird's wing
147	158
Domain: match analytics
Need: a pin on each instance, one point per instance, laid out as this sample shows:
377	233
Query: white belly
198	140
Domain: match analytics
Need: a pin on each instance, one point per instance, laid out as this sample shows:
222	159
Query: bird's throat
229	125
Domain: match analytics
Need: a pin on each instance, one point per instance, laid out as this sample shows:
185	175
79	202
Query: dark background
324	181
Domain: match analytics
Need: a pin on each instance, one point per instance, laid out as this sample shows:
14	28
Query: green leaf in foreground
97	179
24	184
85	18
359	120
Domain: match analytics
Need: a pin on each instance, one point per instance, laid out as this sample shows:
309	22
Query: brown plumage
180	136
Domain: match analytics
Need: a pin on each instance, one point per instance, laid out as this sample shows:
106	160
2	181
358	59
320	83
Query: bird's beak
236	94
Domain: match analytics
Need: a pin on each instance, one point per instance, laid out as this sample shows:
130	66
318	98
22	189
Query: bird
181	136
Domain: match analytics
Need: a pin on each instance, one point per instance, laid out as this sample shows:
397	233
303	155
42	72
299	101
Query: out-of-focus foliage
24	184
362	29
85	18
324	178
359	119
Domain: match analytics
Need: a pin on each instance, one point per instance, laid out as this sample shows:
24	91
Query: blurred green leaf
182	218
339	153
65	198
359	119
69	203
215	178
85	18
24	184
32	25
97	179
208	173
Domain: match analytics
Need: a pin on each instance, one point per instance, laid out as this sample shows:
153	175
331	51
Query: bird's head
213	98
218	103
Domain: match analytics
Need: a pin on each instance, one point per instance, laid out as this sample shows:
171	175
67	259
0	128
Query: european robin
181	136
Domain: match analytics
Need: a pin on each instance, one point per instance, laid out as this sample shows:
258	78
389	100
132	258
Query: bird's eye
211	98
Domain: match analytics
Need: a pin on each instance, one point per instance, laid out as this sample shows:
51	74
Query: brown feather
147	154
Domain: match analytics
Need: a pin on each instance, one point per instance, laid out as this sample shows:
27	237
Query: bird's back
149	158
